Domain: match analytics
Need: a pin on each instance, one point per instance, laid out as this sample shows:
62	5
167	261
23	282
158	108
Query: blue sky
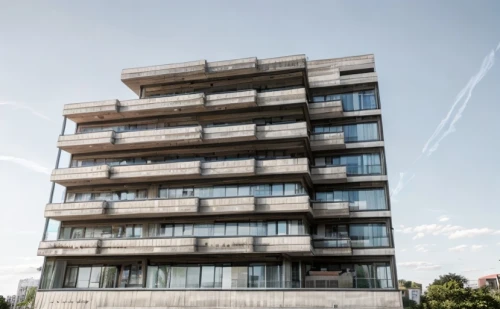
427	53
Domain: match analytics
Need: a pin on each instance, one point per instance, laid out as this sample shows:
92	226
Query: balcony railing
177	207
183	245
104	174
180	104
171	137
327	141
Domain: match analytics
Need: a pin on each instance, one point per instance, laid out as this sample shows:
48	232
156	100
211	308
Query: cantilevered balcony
341	71
104	174
332	246
330	209
322	110
179	207
172	137
294	245
180	104
329	174
200	70
327	141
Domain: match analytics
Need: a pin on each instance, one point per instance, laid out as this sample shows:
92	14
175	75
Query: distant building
11	299
492	281
22	289
410	290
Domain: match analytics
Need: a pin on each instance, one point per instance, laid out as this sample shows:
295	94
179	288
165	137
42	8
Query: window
362	164
353	101
359	200
361	132
71	277
368	235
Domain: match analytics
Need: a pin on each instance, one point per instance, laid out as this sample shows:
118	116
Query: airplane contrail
19	106
27	164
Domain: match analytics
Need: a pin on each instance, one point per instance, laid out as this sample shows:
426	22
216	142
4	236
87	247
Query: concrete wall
335	174
327	141
285	299
324	110
194	135
330	209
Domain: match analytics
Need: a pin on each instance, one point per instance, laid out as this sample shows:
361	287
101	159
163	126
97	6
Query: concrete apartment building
22	289
248	183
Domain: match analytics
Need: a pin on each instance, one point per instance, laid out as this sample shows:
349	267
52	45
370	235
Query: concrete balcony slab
67	211
228	205
325	110
327	141
332	174
225	245
69	247
330	209
283	204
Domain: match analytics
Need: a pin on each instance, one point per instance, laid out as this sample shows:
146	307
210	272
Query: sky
438	79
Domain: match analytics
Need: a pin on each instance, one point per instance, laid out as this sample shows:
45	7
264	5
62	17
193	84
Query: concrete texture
217	299
330	209
327	141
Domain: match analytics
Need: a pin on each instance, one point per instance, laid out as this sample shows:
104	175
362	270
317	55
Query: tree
461	280
452	295
29	300
3	303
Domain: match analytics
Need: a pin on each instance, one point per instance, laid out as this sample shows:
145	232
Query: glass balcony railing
332	243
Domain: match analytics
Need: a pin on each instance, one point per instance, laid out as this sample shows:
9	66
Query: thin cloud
27	164
475	248
401	184
444	219
423	247
27	108
498	46
463	97
451	231
460	248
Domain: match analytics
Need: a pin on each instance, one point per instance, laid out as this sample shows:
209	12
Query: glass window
258	228
361	132
244	228
368	235
77	233
188	230
273	276
109	277
193	277
142	194
95	277
219	229
294	227
271	228
83	277
207	276
231	191
219	191
277	189
71	277
290	189
166	230
256	276
202	230
282	228
178	230
163	192
244	191
231	229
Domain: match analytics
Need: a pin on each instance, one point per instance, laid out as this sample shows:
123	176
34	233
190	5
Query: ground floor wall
208	299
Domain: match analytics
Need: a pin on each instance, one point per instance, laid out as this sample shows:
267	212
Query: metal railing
332	243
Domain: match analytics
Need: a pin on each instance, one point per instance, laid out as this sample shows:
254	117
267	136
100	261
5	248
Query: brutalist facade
248	183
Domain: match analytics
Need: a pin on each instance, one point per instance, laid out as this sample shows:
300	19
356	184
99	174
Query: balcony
324	110
333	246
284	244
182	136
283	204
327	141
226	245
176	207
162	246
283	166
179	104
330	209
326	175
243	299
228	205
184	245
69	248
341	71
75	210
